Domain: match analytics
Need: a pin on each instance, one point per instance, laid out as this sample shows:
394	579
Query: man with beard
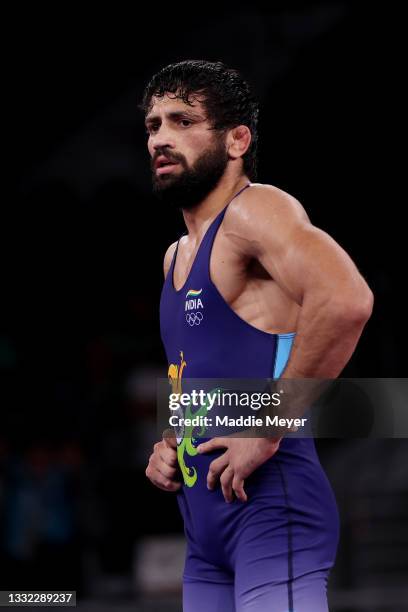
253	290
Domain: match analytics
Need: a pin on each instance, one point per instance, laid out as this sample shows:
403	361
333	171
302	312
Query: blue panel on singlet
283	347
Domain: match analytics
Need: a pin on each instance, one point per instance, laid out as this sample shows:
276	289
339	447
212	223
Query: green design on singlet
189	442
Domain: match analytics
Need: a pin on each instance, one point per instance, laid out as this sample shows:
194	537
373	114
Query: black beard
193	184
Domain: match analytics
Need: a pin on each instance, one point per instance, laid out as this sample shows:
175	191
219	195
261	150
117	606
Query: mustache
172	158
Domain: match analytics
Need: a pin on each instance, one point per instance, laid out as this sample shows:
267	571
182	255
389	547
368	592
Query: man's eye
185	121
152	129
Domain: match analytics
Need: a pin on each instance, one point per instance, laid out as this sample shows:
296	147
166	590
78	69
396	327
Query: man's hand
242	457
162	469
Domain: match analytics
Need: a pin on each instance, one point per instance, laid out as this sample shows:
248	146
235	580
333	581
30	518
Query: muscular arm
336	302
162	469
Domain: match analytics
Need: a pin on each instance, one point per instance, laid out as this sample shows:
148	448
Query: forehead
170	104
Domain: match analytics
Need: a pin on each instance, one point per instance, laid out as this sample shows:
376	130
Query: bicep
271	226
306	259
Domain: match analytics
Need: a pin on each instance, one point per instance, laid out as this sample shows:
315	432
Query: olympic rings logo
194	318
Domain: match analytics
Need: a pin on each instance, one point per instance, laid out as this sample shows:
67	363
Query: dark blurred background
82	243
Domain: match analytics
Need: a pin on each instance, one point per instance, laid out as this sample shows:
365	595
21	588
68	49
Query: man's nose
163	138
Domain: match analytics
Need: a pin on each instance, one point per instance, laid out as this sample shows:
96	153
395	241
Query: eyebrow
175	115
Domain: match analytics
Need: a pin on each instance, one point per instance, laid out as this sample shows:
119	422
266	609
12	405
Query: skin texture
275	269
162	469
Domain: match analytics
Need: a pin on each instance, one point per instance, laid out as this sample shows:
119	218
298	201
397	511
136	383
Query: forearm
325	339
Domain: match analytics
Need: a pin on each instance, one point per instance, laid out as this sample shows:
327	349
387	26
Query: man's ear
238	141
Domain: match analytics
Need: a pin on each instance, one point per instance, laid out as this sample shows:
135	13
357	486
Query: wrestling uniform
273	552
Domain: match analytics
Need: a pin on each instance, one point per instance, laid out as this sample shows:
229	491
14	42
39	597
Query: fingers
161	466
169	438
162	469
159	479
230	480
213	444
215	470
167	455
230	484
238	488
226	484
160	482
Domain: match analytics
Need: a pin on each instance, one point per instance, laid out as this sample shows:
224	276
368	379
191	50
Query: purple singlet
274	552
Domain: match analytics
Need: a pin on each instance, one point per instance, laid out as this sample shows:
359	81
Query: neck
199	218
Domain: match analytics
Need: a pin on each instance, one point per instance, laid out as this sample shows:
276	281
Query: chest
241	281
234	275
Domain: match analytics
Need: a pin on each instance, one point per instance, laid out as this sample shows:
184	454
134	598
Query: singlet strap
212	230
173	259
205	245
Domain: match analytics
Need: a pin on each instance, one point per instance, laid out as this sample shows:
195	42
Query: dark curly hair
228	99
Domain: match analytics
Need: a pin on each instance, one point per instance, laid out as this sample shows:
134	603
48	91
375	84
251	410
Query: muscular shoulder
168	257
263	209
